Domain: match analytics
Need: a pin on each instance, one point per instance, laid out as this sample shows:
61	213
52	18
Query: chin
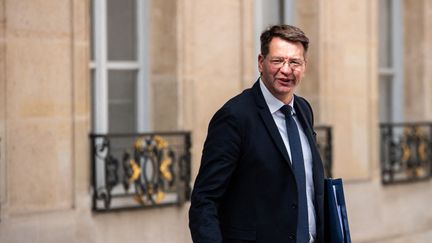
285	89
284	92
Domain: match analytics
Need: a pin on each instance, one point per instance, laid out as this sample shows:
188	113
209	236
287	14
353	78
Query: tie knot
286	110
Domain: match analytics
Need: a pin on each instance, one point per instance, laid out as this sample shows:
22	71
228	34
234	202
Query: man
261	176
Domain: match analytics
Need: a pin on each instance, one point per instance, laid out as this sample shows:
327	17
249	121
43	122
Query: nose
286	69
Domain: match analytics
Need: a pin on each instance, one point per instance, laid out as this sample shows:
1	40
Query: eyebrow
294	58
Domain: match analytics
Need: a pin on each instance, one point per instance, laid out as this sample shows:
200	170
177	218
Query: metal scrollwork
405	153
414	154
150	172
324	144
103	152
151	169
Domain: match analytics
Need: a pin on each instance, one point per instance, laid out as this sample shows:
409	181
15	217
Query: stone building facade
196	55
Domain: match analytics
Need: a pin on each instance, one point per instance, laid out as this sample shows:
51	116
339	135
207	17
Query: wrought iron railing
140	170
406	152
324	141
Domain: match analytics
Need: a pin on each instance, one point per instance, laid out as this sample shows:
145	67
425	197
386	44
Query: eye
276	61
296	62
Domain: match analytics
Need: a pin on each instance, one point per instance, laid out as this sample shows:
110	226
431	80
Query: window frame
101	65
396	70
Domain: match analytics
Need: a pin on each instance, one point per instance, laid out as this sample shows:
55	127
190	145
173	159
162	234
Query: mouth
287	81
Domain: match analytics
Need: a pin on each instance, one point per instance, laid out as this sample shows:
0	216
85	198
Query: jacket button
292	236
293	206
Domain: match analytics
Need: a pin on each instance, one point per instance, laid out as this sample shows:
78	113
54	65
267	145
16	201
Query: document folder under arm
336	218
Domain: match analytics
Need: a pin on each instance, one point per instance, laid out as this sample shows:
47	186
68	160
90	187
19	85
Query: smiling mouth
287	80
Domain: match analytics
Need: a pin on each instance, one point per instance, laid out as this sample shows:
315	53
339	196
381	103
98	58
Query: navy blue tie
299	172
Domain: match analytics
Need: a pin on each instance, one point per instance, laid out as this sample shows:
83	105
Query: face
283	68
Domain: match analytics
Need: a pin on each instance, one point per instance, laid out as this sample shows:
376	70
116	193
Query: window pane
93	91
121	17
385	96
121	101
271	10
385	34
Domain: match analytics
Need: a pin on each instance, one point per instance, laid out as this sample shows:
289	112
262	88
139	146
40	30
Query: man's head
282	61
285	32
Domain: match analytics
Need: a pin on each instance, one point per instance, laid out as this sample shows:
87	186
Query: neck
286	99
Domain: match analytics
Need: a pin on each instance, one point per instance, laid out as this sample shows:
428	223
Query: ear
260	62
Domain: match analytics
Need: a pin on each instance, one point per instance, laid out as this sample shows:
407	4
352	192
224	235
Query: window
391	71
271	12
119	66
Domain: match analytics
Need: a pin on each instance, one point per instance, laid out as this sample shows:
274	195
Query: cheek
269	71
299	76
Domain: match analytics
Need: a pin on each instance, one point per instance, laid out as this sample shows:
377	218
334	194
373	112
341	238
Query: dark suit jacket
245	190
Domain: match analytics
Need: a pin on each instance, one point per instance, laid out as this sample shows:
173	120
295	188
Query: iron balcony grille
324	142
140	170
406	152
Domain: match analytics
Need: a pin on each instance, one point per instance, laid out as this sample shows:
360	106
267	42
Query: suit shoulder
304	103
238	109
306	107
240	102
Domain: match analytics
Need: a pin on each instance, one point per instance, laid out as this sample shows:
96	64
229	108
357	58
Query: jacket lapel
269	123
304	121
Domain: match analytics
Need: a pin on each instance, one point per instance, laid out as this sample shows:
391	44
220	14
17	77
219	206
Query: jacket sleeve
219	160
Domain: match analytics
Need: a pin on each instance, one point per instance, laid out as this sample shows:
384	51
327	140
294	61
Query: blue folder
336	218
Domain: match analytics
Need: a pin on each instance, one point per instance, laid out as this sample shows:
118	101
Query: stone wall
39	106
216	50
348	84
45	116
2	105
414	68
164	62
202	53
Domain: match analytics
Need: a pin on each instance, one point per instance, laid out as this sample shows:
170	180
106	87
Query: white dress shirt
274	105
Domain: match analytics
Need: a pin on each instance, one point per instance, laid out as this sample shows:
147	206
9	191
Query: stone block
40	18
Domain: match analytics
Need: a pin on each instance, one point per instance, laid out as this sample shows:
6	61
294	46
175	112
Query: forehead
284	48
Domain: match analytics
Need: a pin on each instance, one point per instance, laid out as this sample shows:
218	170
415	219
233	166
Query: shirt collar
272	102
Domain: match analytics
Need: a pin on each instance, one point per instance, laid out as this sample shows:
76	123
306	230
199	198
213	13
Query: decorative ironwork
406	152
324	142
140	170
